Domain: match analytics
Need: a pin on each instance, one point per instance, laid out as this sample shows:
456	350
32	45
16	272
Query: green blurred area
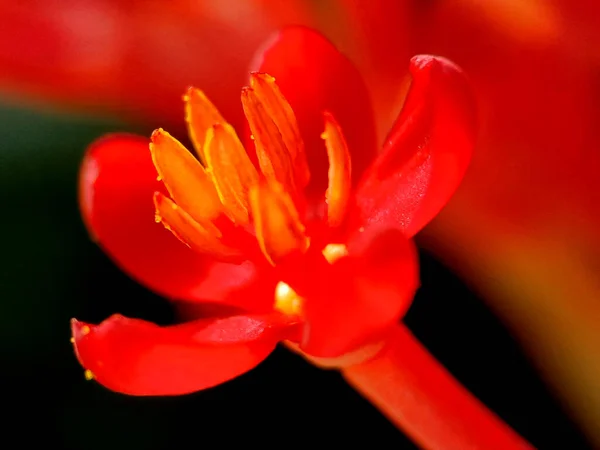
44	239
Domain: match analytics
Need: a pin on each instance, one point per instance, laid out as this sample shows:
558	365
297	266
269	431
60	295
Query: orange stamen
333	252
184	177
232	171
278	228
280	111
286	300
200	115
340	171
229	183
273	156
196	236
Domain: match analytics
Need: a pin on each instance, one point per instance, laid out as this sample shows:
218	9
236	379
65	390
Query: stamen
278	228
184	177
340	171
333	252
274	157
286	300
202	239
232	171
200	115
281	113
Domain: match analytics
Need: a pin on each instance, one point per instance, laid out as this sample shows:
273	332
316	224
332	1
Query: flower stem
407	384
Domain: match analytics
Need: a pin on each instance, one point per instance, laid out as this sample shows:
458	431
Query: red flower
307	243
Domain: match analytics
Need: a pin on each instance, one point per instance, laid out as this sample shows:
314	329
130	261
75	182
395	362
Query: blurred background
510	301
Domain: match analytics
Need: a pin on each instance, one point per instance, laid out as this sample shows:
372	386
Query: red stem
422	398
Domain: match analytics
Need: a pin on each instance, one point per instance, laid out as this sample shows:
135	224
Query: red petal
140	358
314	77
355	300
426	153
117	184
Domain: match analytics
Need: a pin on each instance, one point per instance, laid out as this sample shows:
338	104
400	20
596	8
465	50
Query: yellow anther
274	158
232	171
286	300
333	252
265	97
184	177
340	171
203	238
279	230
200	115
85	330
88	374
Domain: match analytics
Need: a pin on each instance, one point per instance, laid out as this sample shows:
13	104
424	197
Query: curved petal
136	357
426	153
354	301
117	185
314	77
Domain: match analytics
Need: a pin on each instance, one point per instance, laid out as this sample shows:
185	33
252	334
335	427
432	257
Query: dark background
51	272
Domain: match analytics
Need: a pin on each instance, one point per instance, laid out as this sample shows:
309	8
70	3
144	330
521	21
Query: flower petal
136	357
354	301
426	153
314	77
117	186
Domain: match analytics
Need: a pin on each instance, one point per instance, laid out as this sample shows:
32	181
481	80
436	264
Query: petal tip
79	329
189	91
193	93
157	135
425	62
75	326
257	76
422	61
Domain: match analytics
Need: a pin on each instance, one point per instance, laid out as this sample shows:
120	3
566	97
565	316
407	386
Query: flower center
287	300
234	207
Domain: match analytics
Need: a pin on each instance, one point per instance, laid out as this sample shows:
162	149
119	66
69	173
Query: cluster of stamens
221	205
